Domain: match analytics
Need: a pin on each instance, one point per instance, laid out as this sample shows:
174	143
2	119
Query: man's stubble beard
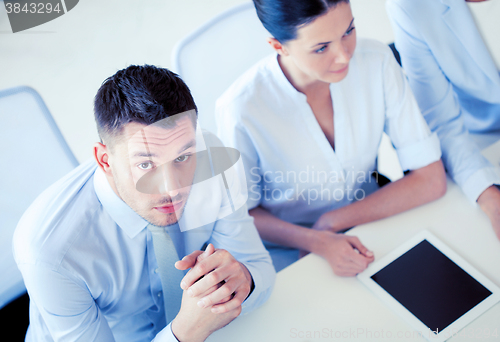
147	212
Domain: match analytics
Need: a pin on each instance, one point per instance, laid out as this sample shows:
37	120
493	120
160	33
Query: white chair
34	155
217	53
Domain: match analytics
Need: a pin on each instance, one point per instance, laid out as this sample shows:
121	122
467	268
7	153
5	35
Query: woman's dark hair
142	94
282	17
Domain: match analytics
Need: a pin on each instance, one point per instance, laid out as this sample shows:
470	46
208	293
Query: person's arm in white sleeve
418	151
441	109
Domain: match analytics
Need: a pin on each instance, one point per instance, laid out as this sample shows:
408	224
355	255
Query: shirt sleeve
166	335
440	107
415	144
67	308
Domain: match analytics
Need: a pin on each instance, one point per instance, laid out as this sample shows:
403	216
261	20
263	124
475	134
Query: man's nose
171	180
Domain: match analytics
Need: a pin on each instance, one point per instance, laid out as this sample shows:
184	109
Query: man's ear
277	46
101	155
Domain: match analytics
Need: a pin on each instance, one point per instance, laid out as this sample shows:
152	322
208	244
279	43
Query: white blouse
291	168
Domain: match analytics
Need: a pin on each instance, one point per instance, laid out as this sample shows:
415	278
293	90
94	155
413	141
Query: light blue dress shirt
89	266
292	170
455	81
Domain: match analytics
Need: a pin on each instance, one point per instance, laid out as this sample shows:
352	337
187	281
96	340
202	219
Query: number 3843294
16	7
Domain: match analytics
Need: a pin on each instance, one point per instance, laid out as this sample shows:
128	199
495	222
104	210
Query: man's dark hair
282	17
141	94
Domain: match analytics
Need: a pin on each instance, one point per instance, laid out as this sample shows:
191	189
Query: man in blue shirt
86	249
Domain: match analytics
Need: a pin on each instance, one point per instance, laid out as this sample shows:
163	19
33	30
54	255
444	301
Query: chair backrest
34	155
211	58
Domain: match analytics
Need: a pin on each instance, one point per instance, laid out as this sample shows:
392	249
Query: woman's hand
346	255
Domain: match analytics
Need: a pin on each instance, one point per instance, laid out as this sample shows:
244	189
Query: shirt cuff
251	302
480	180
166	335
420	154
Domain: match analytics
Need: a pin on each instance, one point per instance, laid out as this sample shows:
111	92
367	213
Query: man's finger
202	269
230	286
188	261
224	271
234	303
208	251
210	290
225	300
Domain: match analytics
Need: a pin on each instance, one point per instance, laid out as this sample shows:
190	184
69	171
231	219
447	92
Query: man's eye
182	158
145	166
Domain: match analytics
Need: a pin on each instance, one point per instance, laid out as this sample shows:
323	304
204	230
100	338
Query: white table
310	303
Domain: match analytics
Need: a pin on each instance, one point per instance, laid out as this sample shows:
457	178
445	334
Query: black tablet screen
431	286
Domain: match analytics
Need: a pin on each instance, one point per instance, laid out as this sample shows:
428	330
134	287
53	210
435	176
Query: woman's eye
349	31
182	158
323	48
145	166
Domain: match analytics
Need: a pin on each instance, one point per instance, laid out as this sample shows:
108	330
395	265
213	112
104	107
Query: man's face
153	169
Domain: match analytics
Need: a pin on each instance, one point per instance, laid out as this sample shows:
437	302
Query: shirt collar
280	77
124	216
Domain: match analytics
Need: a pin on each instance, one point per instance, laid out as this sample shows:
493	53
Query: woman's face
324	47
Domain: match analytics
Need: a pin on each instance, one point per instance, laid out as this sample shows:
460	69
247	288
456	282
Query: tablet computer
435	290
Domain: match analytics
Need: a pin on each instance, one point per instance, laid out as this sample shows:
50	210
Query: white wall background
67	59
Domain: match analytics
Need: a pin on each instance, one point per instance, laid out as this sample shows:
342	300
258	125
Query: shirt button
157	270
159	294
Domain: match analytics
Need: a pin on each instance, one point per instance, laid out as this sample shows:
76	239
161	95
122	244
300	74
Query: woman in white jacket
308	122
